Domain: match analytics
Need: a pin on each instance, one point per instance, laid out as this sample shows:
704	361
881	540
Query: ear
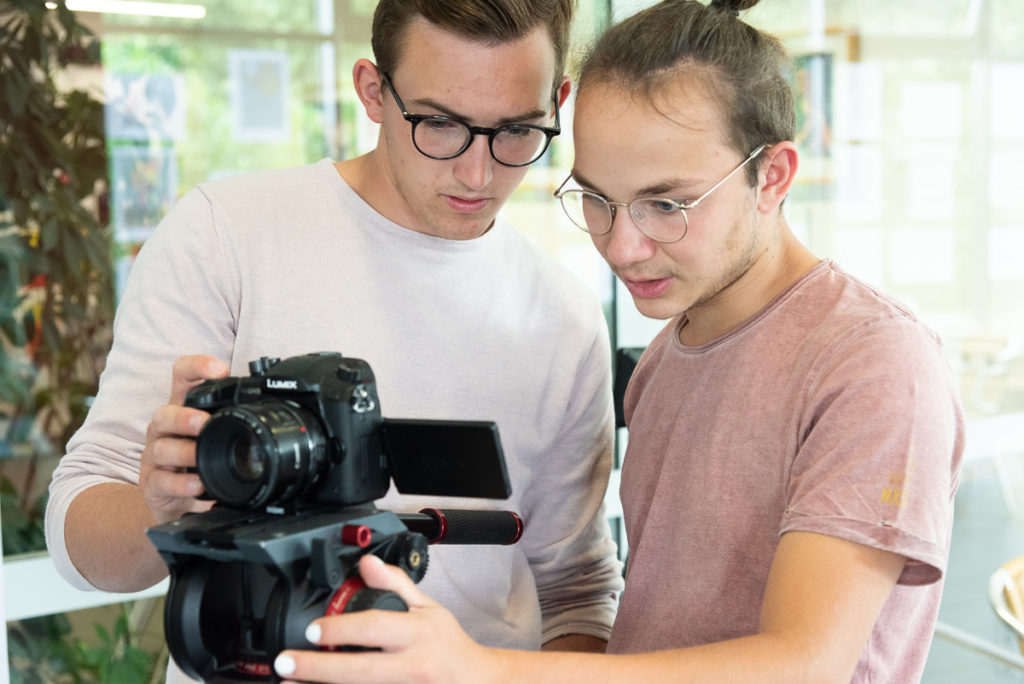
564	90
367	80
776	174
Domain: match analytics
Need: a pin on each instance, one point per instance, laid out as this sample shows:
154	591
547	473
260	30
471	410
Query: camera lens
246	460
260	454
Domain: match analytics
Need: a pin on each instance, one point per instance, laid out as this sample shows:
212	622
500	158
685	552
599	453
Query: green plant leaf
103	634
55	262
125	672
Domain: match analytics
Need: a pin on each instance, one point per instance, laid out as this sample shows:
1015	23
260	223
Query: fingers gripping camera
294	455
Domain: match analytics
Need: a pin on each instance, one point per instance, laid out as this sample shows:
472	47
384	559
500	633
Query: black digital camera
295	455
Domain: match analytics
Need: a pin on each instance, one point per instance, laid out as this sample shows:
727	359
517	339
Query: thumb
378	575
189	371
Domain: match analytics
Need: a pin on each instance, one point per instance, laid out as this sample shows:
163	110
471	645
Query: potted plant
56	294
56	306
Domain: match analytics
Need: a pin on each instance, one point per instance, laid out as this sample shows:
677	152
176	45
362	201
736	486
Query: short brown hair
744	68
489	21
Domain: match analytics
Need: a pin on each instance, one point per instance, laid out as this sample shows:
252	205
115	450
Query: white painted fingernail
313	633
284	665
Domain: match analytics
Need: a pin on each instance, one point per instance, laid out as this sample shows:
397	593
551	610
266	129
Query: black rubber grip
460	526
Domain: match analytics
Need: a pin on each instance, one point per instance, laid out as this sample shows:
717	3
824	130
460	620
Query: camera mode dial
262	365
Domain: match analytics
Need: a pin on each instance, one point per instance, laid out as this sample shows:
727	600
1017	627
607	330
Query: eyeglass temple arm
714	187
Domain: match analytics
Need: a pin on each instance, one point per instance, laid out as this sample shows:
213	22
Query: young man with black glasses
396	257
795	436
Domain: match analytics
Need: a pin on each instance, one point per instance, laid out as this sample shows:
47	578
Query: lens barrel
260	454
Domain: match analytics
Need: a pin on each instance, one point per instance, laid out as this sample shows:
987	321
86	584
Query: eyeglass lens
443	138
659	219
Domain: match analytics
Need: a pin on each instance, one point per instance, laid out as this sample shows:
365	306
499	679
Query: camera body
303	432
294	456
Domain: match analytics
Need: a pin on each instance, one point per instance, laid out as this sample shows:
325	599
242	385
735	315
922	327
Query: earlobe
366	78
778	172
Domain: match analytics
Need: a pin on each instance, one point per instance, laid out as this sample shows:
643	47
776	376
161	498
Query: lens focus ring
259	454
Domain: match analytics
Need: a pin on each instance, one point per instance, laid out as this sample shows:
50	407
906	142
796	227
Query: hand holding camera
428	635
168	489
294	456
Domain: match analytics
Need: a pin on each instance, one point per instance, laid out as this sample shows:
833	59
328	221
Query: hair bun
724	7
732	7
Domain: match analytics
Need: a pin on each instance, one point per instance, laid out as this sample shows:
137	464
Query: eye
660	205
441	125
517	131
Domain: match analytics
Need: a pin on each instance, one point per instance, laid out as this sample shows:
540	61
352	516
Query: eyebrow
446	111
656	190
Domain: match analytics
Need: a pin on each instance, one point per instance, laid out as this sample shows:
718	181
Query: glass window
910	141
251	84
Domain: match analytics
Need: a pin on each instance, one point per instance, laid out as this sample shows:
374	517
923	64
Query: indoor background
911	139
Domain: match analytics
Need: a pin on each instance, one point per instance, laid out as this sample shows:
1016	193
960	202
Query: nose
624	245
475	167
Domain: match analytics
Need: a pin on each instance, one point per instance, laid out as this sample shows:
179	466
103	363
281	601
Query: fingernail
375	559
313	633
284	665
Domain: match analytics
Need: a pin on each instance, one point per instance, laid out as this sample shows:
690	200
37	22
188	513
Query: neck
370	178
358	173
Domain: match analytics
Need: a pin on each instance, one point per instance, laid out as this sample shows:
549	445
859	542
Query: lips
647	289
466	205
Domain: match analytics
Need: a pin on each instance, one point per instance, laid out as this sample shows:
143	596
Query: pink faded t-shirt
830	411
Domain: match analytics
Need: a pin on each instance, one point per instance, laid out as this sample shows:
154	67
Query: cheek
708	225
506	179
417	172
600	243
401	153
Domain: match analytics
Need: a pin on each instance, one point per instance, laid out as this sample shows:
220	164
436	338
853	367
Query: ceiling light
149	9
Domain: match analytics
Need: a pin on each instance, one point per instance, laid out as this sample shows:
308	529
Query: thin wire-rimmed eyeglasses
445	137
659	218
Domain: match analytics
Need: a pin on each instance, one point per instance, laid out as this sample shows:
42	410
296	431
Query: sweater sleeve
577	572
175	302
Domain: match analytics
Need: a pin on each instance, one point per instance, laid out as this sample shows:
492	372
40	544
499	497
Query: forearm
105	536
760	658
814	578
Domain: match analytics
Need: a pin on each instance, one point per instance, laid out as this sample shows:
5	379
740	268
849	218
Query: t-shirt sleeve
880	447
